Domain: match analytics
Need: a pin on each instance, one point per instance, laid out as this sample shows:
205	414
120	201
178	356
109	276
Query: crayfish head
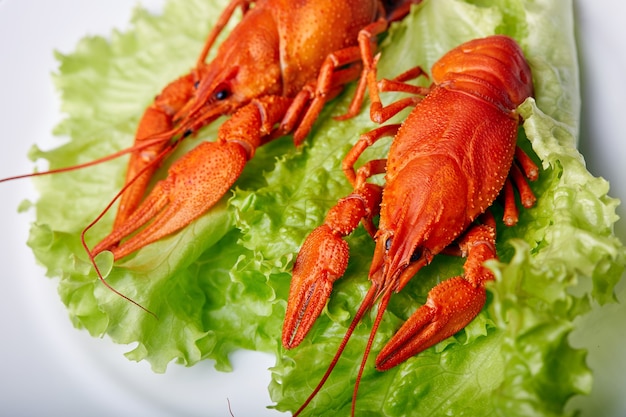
393	265
422	212
237	75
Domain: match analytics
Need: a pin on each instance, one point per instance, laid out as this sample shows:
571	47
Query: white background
49	368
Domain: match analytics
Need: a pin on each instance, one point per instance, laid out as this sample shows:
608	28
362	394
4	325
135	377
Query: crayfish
272	75
453	155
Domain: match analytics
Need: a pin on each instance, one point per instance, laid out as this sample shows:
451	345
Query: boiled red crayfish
272	74
448	162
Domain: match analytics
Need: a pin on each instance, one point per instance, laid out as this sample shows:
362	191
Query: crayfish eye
388	243
417	254
221	94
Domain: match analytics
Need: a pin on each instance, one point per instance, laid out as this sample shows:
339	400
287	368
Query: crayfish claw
321	261
212	168
450	306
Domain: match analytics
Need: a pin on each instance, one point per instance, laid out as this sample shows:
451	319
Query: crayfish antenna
137	147
92	254
366	304
92	259
382	307
98	161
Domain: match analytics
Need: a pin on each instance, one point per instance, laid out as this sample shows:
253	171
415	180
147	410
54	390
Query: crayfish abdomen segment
492	68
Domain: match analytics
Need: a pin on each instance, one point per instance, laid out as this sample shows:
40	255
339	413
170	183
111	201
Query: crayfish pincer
450	159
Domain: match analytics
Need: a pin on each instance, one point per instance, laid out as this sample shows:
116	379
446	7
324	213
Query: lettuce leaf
224	280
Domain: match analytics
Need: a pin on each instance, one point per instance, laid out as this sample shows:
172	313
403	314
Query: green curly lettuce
221	283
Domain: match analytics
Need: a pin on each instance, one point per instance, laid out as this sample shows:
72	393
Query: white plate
50	368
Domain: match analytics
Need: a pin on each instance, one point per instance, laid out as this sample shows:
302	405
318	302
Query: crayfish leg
366	42
529	167
312	99
518	178
365	141
322	260
220	24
